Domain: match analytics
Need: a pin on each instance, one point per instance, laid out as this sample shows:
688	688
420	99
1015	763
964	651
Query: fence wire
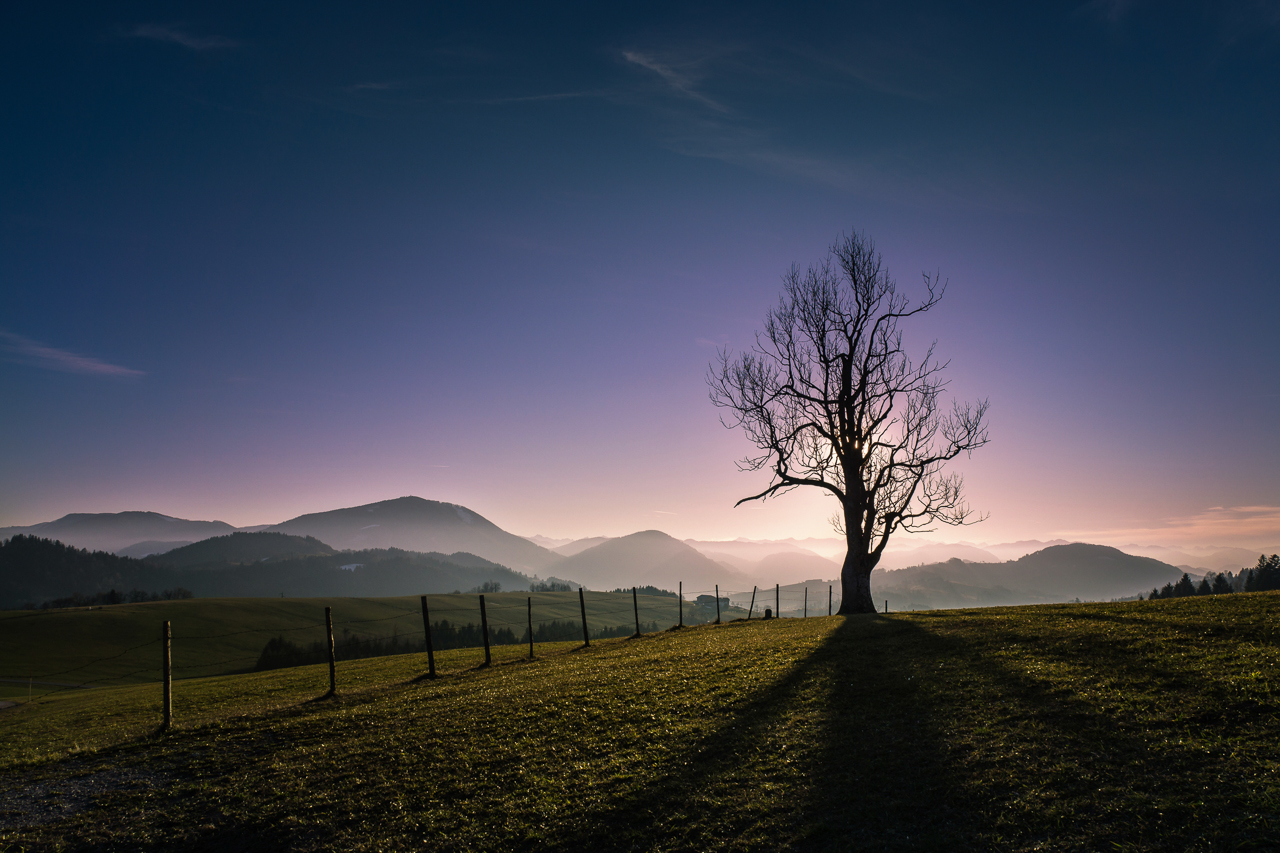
510	622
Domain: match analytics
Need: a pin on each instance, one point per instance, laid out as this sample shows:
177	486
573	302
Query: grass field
119	644
1136	726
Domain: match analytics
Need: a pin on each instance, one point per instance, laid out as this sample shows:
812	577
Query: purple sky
261	262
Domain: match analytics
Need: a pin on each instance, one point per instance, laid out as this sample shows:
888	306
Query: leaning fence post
333	663
484	629
717	604
167	665
582	602
753	602
531	627
777	600
635	603
681	604
426	630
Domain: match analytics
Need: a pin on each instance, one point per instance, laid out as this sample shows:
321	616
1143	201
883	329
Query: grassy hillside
1137	726
119	644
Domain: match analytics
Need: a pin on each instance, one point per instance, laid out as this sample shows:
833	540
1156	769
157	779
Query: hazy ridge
447	539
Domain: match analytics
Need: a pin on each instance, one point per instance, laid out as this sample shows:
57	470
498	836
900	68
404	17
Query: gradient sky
265	259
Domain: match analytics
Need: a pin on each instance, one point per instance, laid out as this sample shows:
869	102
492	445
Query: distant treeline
648	590
133	596
550	585
1261	578
279	652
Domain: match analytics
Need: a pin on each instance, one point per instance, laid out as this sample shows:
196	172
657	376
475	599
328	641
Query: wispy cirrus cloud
22	350
676	78
178	35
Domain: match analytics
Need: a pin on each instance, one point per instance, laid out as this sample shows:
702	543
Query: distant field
1133	726
116	644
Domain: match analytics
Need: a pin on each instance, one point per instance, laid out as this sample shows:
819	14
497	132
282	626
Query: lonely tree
831	399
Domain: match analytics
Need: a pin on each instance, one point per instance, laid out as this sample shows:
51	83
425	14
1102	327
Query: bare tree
831	400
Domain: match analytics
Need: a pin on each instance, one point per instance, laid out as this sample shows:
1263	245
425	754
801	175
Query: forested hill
34	571
240	548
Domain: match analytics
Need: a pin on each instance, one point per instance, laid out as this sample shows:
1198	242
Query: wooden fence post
635	603
777	600
426	630
886	605
484	629
717	604
753	602
582	602
167	664
806	602
333	661
531	627
681	604
830	588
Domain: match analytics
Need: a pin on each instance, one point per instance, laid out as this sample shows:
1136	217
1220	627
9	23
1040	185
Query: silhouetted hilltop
1057	573
112	531
416	524
242	548
649	557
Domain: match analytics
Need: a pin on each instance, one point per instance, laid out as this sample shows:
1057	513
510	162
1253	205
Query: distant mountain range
930	575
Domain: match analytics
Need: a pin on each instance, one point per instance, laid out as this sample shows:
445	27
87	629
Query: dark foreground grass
1143	726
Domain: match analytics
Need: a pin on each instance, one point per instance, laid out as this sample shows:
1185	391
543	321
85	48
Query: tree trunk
855	584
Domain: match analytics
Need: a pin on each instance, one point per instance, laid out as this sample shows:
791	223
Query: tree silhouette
830	399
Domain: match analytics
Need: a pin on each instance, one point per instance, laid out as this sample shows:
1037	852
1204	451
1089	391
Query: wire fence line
441	625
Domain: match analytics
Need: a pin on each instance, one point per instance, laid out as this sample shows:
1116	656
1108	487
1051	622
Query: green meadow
1129	726
119	644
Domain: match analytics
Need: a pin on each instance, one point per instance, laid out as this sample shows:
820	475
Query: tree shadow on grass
911	735
836	754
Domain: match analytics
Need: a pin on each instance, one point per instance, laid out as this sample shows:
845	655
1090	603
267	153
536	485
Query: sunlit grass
1144	726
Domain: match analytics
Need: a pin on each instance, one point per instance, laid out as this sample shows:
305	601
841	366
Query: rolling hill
783	567
113	531
33	571
239	548
649	557
1057	573
416	524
